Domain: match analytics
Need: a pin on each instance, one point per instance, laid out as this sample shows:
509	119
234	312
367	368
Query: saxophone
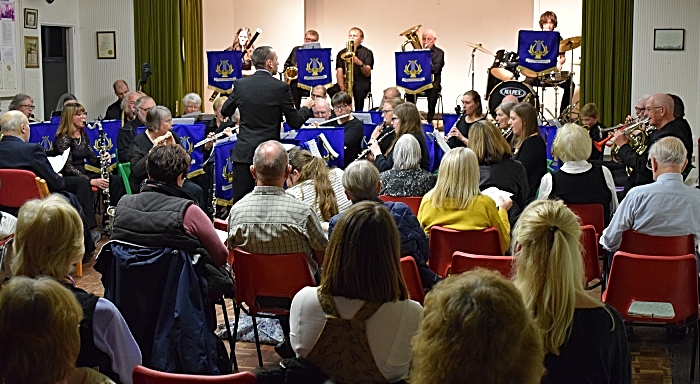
348	56
103	150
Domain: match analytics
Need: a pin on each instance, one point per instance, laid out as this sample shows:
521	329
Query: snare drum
515	88
505	65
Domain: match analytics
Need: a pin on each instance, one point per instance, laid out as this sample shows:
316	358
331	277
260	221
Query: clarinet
447	132
104	172
367	151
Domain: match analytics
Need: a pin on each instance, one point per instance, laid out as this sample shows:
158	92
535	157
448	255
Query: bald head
321	109
120	88
510	99
270	164
391	93
659	109
319	91
15	123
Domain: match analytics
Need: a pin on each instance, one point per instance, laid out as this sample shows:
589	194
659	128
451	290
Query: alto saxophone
104	172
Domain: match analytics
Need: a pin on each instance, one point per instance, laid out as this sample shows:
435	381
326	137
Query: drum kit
506	78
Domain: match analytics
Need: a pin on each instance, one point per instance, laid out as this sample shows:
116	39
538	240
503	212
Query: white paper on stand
440	140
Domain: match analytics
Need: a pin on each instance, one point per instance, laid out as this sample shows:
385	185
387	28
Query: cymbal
570	43
478	47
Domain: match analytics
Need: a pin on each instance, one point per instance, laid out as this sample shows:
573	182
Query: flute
210	139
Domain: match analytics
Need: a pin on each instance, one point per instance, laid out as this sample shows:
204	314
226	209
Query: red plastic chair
444	242
143	375
641	244
667	279
17	186
591	263
259	275
413	202
590	214
463	262
221	225
409	269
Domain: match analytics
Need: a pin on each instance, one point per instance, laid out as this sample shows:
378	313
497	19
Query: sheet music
440	140
495	193
313	148
327	145
58	162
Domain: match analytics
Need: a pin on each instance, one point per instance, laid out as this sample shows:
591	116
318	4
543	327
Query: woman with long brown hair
472	112
240	40
312	182
530	148
406	120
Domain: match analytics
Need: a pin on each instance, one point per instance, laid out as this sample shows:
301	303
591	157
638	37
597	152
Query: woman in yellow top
457	203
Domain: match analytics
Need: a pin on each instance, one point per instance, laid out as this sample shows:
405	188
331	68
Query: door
55	66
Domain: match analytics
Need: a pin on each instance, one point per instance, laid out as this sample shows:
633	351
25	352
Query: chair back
641	244
143	375
444	242
413	202
590	214
591	264
278	276
669	279
17	186
124	171
411	276
463	262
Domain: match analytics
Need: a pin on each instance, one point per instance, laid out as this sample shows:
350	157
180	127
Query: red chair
591	263
17	186
221	225
143	375
590	214
641	244
409	269
463	262
666	279
413	202
444	242
260	277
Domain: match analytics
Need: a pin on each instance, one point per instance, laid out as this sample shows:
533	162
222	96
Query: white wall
674	72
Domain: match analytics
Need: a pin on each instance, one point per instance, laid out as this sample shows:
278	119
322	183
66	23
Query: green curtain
164	37
606	65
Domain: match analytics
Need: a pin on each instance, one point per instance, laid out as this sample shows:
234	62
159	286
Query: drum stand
471	66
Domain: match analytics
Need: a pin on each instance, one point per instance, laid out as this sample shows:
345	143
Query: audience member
48	241
496	166
475	325
114	111
361	182
572	146
585	339
530	148
311	181
358	324
407	178
666	207
503	119
127	132
457	203
406	120
39	324
192	103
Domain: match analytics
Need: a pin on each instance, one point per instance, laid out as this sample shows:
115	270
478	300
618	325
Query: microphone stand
471	65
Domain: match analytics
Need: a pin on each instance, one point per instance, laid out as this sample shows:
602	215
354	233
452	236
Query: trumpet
367	151
637	142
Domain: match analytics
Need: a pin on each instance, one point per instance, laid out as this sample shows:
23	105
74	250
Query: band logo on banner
190	134
223	172
413	71
314	67
538	51
223	67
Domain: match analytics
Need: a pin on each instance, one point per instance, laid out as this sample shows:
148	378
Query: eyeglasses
145	109
30	106
649	164
649	109
340	107
385	111
81	114
639	109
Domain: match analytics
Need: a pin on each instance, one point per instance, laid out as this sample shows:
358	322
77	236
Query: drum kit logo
224	68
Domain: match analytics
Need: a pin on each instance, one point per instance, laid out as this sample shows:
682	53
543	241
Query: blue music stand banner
45	133
335	137
413	71
314	67
538	51
223	67
223	171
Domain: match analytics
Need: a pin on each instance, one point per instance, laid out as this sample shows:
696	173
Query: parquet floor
655	359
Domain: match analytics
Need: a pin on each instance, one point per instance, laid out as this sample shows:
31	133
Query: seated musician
354	129
503	119
472	111
310	36
243	36
385	130
573	147
589	118
321	109
192	103
406	120
389	93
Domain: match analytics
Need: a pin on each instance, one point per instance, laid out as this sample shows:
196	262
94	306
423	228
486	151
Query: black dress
463	126
510	176
533	155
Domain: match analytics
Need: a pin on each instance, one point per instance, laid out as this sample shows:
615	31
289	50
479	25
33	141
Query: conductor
261	100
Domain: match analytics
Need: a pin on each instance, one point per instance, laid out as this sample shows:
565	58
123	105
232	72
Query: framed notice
31	16
31	52
106	45
669	39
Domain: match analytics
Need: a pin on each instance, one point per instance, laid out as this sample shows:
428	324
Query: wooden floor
655	358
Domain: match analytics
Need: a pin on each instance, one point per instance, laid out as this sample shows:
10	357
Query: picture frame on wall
106	45
31	52
31	18
669	39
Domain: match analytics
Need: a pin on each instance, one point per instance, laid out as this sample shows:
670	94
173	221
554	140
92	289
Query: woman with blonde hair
312	182
530	148
48	241
457	203
357	325
573	146
475	325
39	334
585	339
406	120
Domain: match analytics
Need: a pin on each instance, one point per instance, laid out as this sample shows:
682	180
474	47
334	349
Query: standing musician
472	112
261	100
362	74
437	62
659	109
311	36
240	41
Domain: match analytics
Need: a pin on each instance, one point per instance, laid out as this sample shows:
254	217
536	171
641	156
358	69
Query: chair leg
79	269
231	338
696	340
257	341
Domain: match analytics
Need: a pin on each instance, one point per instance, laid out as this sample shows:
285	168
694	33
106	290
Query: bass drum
512	87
